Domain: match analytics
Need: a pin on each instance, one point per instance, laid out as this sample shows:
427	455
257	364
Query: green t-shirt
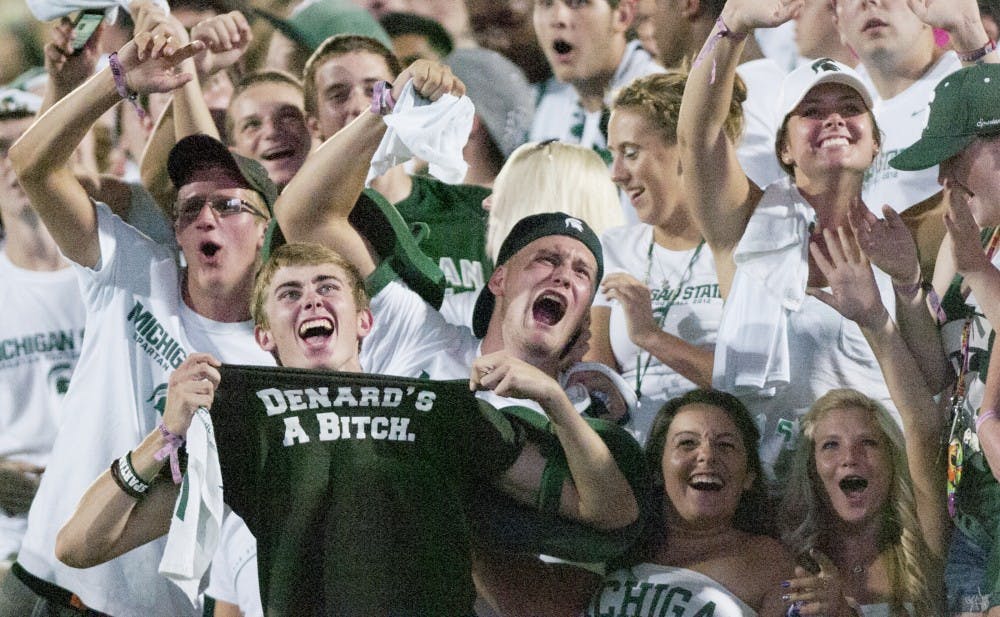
357	486
457	222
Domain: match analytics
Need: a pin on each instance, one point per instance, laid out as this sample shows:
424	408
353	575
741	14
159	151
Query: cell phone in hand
84	26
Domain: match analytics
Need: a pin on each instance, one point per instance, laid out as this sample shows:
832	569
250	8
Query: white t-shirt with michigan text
138	331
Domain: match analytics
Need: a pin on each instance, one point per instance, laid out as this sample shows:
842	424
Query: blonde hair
657	97
301	254
551	176
913	568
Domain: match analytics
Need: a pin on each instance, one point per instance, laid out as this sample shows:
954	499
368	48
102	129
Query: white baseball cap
799	82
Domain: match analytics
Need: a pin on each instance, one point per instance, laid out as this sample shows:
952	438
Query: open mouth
278	154
561	47
549	309
705	482
315	330
209	249
853	485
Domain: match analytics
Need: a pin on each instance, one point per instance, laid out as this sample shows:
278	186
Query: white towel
197	519
772	270
435	132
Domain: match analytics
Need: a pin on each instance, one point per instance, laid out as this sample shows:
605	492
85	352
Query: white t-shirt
136	336
902	119
755	150
693	312
233	576
409	338
652	589
41	336
559	114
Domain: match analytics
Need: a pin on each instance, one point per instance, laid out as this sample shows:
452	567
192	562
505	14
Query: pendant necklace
640	367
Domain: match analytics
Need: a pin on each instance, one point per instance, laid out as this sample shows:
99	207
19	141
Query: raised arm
888	244
315	205
721	196
226	38
108	522
961	20
598	494
41	157
855	295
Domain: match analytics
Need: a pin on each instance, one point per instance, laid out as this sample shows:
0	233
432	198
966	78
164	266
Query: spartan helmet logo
576	224
823	65
58	377
159	398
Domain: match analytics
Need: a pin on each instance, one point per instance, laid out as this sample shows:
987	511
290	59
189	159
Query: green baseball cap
965	105
314	21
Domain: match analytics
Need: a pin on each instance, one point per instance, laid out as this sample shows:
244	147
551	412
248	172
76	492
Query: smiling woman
702	553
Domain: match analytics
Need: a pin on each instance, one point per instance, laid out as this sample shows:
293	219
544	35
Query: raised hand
948	15
887	242
157	33
746	15
191	385
226	38
637	303
853	292
431	80
817	594
68	70
963	232
146	72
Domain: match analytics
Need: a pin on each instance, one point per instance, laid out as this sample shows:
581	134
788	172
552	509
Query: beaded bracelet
118	71
977	55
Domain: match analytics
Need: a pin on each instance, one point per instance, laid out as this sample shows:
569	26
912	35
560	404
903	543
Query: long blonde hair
552	176
804	521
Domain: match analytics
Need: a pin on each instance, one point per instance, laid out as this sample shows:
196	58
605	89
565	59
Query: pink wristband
174	443
722	31
118	72
976	55
382	102
983	417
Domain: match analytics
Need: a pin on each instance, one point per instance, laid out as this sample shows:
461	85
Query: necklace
640	367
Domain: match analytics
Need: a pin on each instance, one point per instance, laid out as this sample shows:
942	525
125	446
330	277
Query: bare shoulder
769	557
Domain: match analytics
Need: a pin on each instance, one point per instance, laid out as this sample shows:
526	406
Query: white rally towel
197	519
433	131
47	10
772	270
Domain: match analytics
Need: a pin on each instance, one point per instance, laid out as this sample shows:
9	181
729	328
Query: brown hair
301	254
338	46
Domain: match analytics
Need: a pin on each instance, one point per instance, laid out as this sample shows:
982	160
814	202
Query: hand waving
887	242
853	292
